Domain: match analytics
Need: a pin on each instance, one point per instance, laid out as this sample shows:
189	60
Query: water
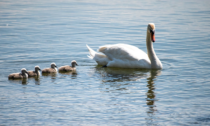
41	32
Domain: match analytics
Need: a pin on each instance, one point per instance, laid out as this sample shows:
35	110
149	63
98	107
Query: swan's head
37	68
23	71
74	63
53	65
151	31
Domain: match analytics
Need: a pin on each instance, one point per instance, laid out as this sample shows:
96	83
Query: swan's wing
101	59
123	52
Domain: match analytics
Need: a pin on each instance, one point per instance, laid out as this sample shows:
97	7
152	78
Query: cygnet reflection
19	81
73	74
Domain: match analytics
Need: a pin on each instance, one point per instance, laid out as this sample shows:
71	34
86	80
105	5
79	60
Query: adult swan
128	56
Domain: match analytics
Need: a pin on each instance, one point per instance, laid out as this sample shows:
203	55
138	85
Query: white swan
128	56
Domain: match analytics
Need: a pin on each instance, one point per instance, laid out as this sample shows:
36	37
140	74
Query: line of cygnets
25	74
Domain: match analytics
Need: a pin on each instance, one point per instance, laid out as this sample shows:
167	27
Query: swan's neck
38	73
155	62
25	75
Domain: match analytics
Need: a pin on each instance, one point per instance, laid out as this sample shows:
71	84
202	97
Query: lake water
41	32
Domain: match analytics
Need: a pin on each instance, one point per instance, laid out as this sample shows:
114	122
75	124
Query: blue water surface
41	32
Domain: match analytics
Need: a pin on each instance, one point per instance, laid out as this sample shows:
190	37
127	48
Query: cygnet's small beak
77	64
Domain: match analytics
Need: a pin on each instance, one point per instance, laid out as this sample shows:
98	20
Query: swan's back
125	56
121	55
123	52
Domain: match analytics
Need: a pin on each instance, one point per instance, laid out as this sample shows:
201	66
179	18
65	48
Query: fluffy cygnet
35	72
53	69
23	74
69	68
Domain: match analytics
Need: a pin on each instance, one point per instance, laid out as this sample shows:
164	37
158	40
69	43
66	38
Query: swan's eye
152	31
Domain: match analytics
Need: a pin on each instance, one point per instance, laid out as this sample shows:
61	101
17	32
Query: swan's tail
99	58
91	52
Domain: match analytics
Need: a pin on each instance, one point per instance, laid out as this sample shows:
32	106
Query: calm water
42	32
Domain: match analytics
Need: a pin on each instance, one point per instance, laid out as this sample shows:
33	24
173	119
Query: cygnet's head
53	65
37	68
151	31
23	71
74	63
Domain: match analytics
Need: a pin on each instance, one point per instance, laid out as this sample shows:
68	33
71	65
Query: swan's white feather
120	55
101	59
123	52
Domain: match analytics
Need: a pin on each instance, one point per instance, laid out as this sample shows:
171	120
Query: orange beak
153	36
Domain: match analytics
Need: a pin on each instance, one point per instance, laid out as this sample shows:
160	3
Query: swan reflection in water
119	74
114	76
150	100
